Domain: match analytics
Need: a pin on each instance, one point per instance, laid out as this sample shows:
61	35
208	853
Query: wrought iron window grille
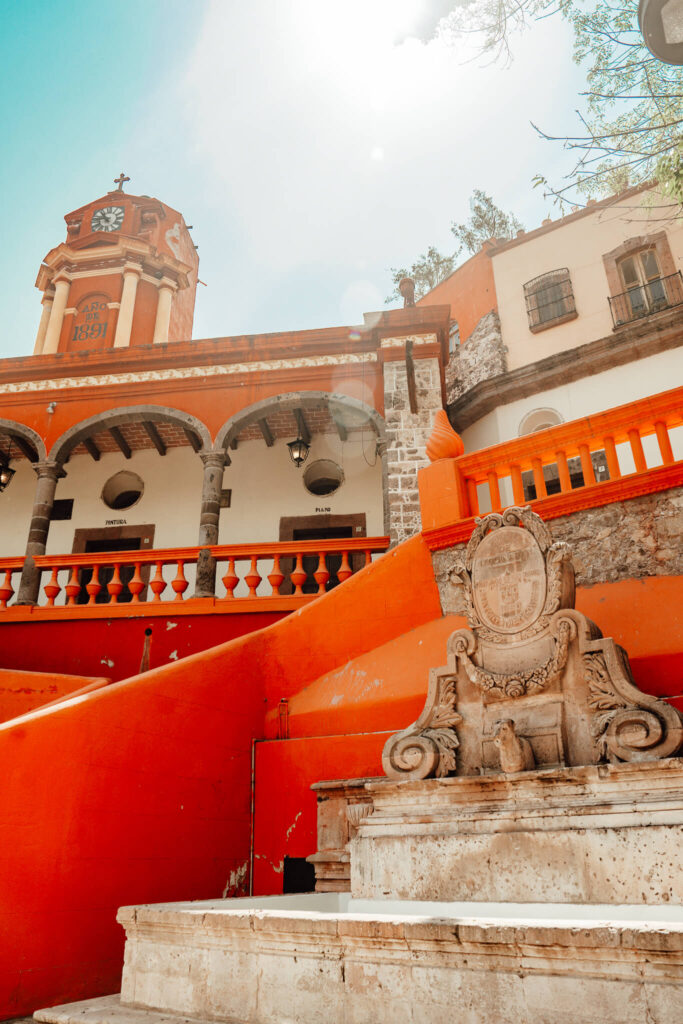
549	298
646	298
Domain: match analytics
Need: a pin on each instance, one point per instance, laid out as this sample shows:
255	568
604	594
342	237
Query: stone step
108	1010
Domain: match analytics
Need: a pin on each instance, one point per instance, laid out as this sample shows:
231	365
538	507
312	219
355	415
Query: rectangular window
549	300
62	508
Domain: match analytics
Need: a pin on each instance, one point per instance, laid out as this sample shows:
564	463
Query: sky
312	144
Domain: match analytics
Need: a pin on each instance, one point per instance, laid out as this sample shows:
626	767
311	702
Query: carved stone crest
531	682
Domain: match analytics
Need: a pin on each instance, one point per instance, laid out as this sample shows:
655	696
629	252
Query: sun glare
359	26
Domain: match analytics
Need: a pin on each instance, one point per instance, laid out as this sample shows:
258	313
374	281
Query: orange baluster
52	588
73	587
662	432
252	579
517	485
563	471
586	465
344	570
158	583
298	576
231	579
494	491
539	479
612	458
321	574
180	584
6	590
115	586
368	558
276	576
94	586
637	449
136	585
472	496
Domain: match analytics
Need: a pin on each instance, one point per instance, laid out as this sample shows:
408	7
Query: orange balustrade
295	572
8	567
302	568
585	463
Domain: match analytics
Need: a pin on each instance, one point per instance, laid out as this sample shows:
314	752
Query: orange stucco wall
21	692
470	291
153	777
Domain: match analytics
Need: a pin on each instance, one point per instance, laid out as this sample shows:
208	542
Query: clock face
108	218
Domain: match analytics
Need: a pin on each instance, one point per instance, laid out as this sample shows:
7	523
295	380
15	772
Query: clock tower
125	276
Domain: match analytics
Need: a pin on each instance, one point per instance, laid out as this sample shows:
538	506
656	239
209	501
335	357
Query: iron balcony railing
645	299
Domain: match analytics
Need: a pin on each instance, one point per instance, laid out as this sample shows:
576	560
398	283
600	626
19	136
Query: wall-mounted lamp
6	473
298	451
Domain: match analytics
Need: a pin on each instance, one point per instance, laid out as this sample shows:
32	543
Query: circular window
122	490
323	477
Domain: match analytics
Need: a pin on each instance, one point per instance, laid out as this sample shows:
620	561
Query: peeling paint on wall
236	881
292	826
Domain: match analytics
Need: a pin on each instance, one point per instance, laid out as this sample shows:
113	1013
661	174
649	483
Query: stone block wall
407	436
482	356
626	540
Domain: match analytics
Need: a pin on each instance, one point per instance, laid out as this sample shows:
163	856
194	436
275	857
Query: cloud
345	136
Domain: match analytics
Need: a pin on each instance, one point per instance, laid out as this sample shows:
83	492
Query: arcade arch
338	428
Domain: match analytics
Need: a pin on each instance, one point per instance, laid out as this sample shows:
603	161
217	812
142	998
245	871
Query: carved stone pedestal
593	834
342	804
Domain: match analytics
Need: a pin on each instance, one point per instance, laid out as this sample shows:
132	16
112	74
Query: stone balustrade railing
292	571
610	456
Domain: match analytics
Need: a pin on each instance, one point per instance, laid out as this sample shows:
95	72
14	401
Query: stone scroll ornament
525	639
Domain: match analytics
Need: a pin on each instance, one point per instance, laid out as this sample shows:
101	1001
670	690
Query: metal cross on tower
120	180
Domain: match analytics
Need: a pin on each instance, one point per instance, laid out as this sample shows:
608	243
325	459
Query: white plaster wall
16	503
171	499
578	245
266	485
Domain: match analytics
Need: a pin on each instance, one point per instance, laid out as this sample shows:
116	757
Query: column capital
166	282
61	277
48	297
215	459
132	268
48	470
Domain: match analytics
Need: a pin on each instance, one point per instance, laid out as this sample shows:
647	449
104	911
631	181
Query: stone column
48	475
407	436
124	323
54	324
163	319
214	464
47	301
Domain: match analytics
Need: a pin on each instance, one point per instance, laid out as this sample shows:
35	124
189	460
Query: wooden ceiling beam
24	447
339	424
193	439
268	436
92	448
302	426
155	437
121	441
